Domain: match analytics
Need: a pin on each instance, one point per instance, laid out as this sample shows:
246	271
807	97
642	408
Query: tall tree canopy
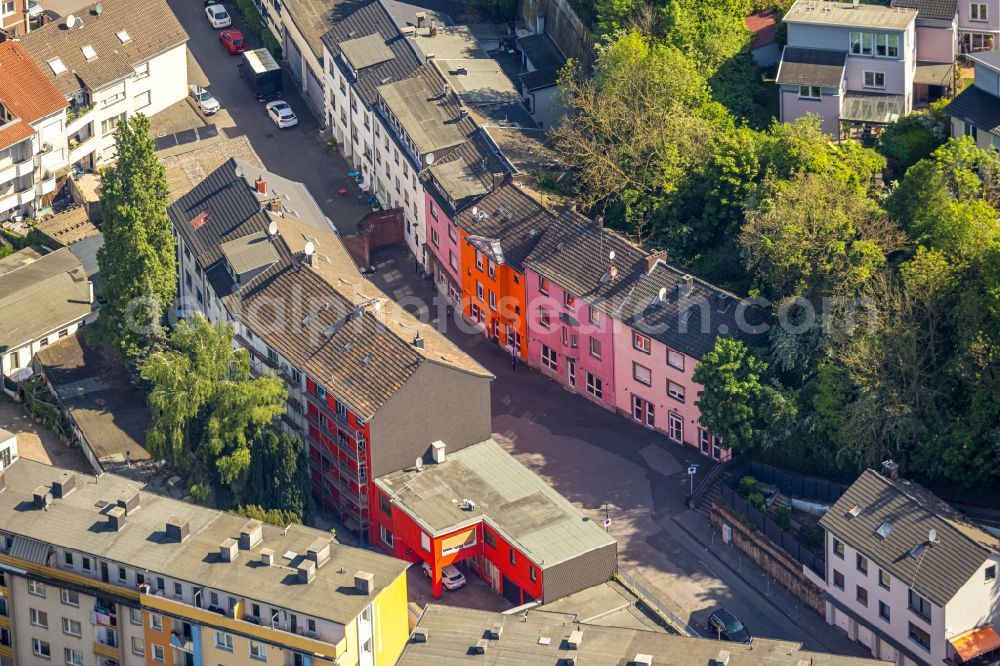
137	262
206	405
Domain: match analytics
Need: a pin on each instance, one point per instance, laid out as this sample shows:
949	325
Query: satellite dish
99	9
309	248
378	306
663	294
611	255
272	229
475	211
429	158
932	536
71	20
419	464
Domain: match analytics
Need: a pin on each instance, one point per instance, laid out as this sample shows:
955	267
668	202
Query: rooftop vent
468	505
643	660
116	518
267	556
495	631
129	500
421	19
364	583
544	640
307	571
178	529
43	498
890	470
419	635
229	550
251	534
480	647
438	451
884	530
64	484
574	640
319	551
855	510
569	659
723	658
418	342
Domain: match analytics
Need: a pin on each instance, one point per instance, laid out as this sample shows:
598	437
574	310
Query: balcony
107	637
45	186
77	116
181	642
82	144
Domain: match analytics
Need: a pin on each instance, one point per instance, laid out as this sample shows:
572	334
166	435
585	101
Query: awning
976	643
24	548
934	74
869	108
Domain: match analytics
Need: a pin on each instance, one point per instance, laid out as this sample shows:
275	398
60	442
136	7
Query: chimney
495	631
251	534
129	500
276	206
229	550
178	529
570	658
64	484
655	258
686	285
429	57
419	635
421	19
319	551
260	184
364	583
497	180
463	112
890	470
307	572
574	640
116	518
90	298
437	450
267	556
445	90
643	660
480	647
434	28
723	658
418	342
43	498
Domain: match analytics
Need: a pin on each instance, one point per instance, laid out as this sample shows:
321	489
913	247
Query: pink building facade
978	25
656	389
570	340
444	258
793	104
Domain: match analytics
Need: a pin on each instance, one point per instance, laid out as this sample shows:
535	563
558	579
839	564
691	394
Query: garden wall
784	569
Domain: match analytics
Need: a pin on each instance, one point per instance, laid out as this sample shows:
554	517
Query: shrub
275	517
914	137
811	537
756	500
259	27
748	486
782	515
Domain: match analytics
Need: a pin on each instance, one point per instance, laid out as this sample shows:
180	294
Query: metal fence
766	525
651	600
797	485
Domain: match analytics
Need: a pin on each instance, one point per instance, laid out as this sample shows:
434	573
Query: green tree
735	399
276	517
137	263
278	477
206	405
914	137
710	32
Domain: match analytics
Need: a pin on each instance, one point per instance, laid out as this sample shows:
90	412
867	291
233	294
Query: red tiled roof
25	91
762	27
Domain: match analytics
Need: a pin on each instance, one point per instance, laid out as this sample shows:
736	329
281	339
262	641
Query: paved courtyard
36	442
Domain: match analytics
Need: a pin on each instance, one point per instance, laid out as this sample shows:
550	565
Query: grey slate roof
452	631
512	218
114	60
912	511
512	499
75	522
541	51
540	78
978	107
574	254
40	294
813	67
368	20
938	10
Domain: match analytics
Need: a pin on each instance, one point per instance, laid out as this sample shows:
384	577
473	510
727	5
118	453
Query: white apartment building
32	134
112	62
361	52
908	576
8	449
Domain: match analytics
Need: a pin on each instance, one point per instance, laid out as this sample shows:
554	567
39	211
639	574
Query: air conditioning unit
468	505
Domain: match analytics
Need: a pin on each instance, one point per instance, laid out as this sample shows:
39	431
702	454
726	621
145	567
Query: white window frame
159	654
223	641
38	618
641	342
591	347
978	12
642	374
139	646
36	648
550	358
386	536
873	77
258	651
810	92
67	627
675	360
65	595
156	622
595	386
676	391
36	588
72	657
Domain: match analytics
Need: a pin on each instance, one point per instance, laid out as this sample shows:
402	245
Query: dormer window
88	52
124	37
57	66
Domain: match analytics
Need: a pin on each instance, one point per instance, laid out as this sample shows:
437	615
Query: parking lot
297	153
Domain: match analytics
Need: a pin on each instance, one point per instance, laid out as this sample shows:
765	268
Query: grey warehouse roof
911	511
366	51
451	632
512	499
811	67
75	522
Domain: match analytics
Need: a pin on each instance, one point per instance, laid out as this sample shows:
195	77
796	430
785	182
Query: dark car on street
723	624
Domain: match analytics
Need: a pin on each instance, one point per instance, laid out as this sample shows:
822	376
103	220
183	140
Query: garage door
294	57
314	93
511	592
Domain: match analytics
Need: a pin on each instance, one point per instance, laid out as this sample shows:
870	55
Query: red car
233	41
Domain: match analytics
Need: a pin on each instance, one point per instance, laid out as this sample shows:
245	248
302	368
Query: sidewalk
815	632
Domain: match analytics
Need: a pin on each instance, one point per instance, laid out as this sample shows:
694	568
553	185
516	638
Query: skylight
855	510
884	530
88	52
124	37
57	66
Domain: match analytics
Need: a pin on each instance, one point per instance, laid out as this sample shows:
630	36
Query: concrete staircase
707	498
